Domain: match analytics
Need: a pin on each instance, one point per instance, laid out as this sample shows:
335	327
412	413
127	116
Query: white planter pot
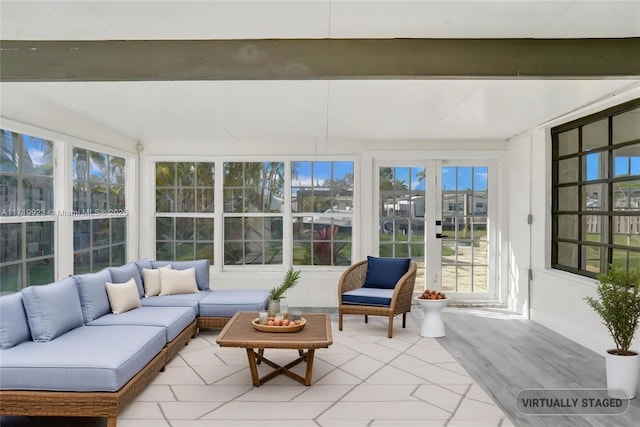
622	373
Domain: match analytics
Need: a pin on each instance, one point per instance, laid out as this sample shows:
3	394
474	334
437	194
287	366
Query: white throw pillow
178	282
123	296
151	279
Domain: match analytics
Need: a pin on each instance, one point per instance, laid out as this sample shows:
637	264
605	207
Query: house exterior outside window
596	191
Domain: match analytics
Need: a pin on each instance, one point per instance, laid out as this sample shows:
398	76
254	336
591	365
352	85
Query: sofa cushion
123	296
177	300
178	281
14	328
226	302
151	277
201	266
52	309
368	296
93	294
173	319
89	358
125	272
385	272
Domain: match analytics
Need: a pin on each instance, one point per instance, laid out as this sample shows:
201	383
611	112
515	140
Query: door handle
441	236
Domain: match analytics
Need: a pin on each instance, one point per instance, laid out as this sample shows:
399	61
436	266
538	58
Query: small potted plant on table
290	280
618	305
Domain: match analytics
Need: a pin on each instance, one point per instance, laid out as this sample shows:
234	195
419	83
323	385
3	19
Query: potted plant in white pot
276	293
618	305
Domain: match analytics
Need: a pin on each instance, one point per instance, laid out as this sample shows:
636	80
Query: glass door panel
464	245
402	195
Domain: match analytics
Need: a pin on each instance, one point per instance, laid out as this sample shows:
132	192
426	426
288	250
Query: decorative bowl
290	328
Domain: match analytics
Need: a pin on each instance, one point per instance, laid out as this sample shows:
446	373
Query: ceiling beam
318	59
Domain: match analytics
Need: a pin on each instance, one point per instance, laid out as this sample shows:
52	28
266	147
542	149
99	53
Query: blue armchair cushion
14	328
385	272
368	296
52	309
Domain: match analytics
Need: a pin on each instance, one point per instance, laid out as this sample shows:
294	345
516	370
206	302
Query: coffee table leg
307	377
253	367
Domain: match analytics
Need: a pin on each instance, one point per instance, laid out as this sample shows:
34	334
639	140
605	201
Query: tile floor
363	379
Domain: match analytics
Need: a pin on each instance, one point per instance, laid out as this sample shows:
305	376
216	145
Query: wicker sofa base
81	404
212	322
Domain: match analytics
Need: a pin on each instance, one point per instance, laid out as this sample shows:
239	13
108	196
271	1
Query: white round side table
432	325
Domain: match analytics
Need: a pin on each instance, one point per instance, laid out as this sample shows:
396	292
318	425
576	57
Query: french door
440	213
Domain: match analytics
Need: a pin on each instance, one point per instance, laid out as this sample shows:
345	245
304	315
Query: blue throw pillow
385	272
14	328
52	309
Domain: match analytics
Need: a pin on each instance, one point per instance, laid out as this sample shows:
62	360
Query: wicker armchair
354	278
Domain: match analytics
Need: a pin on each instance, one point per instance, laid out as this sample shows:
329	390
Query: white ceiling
336	110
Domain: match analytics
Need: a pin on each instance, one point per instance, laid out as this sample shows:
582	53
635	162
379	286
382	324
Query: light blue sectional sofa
63	351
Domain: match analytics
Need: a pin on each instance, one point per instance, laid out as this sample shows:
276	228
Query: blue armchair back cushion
385	272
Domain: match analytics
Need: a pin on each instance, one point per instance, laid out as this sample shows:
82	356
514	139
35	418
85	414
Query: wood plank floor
505	354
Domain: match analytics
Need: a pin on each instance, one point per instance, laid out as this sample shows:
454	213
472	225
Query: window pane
568	254
98	162
165	174
626	160
98	198
10	242
626	126
8	195
118	228
184	228
594	228
184	251
568	198
186	200
118	255
81	235
204	251
595	135
80	164
37	195
82	262
591	258
594	197
116	199
568	142
40	272
10	278
101	259
164	229
164	250
80	197
626	230
100	232
204	228
9	151
596	166
205	199
205	174
186	174
568	226
568	170
165	200
39	238
116	170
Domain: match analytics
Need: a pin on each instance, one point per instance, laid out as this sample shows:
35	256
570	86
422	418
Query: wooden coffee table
239	332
